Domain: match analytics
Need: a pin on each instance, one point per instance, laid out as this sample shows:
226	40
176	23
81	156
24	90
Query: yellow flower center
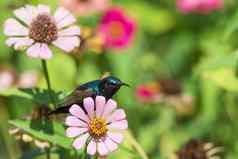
98	127
116	29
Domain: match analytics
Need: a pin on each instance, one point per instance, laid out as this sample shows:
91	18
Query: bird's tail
59	110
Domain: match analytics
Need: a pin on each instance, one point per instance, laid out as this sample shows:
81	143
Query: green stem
127	150
47	78
77	63
47	151
136	145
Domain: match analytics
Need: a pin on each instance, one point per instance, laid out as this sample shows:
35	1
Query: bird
107	87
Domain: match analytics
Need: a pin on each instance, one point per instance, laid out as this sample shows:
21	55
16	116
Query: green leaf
41	96
232	26
56	137
180	56
16	92
224	78
37	95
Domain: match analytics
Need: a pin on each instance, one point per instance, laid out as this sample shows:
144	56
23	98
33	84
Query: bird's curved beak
124	84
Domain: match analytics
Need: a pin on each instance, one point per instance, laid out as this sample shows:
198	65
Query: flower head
116	28
36	29
98	126
197	149
157	91
148	92
199	6
166	91
85	7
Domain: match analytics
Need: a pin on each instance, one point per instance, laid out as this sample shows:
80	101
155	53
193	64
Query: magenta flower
85	7
98	126
199	6
145	93
37	29
148	93
116	28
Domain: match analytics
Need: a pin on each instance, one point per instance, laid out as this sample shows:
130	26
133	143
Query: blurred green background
197	50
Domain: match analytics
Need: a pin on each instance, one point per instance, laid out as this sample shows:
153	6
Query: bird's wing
77	96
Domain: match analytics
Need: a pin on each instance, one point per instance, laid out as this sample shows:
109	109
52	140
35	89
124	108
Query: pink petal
110	106
73	121
119	114
111	145
119	125
75	131
80	141
39	50
13	28
71	31
60	14
77	111
32	11
116	137
43	9
33	50
63	18
24	15
187	5
102	149
92	146
67	43
88	104
45	52
66	21
19	42
100	105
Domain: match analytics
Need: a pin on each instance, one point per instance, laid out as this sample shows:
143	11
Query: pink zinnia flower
98	126
116	28
199	6
85	7
37	29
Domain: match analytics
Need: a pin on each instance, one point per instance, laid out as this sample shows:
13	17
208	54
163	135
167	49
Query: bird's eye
112	83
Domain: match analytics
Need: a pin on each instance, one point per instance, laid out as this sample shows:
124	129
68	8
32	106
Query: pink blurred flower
7	80
85	7
116	28
148	93
37	29
98	125
199	6
28	79
144	92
